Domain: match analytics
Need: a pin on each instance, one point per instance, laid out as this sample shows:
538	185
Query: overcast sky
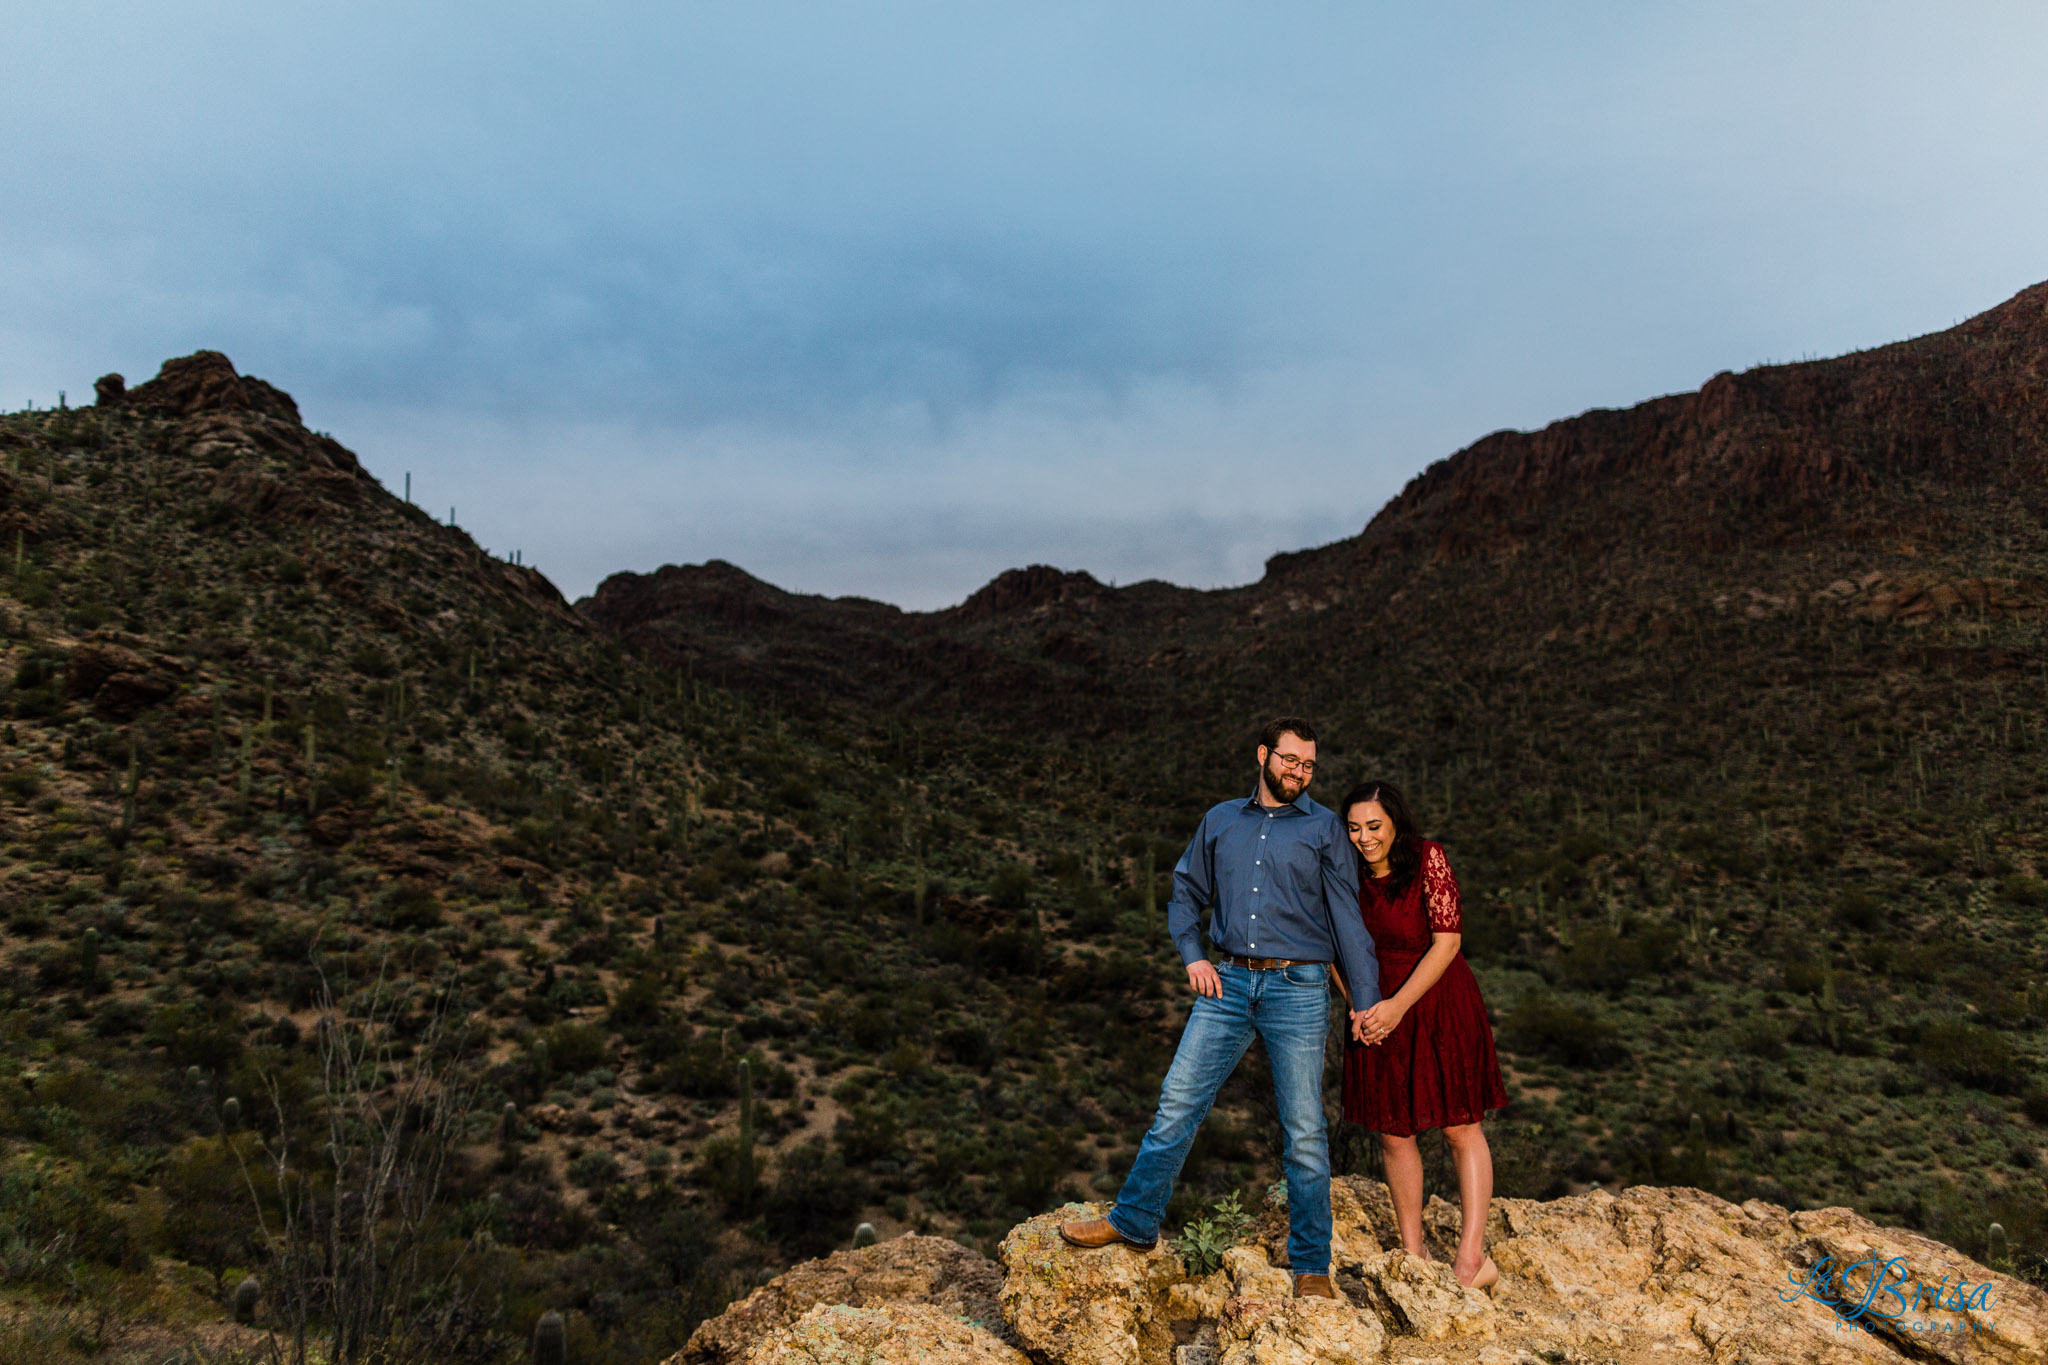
885	298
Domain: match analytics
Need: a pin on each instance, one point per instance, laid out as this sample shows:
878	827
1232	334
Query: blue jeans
1289	1008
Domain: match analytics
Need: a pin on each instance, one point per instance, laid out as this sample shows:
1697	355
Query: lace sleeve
1446	916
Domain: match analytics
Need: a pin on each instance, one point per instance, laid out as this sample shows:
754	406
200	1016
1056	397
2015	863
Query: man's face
1289	766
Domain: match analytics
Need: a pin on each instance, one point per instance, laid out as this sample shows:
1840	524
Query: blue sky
884	299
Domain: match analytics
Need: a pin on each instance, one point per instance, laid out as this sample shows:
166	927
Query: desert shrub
1202	1242
1010	887
208	1219
1030	1167
868	1133
2035	1104
1803	975
408	905
1761	1036
574	1048
1859	910
2020	889
815	1201
1970	1054
1541	1023
50	1219
968	1045
596	1169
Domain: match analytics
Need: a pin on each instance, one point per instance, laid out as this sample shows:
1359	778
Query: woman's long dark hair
1405	850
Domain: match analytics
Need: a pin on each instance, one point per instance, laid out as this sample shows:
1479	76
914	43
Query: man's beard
1284	785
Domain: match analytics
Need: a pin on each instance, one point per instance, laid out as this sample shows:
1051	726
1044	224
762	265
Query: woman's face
1372	833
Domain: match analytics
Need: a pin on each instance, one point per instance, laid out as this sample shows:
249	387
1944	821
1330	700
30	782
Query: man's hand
1202	979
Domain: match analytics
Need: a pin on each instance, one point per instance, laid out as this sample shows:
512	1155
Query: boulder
1253	1276
1100	1306
904	1271
119	682
1292	1331
1679	1270
893	1334
1423	1299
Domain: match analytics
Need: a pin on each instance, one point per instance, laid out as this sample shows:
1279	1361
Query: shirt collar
1300	803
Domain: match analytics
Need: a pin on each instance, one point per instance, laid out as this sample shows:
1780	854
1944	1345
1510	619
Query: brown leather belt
1267	964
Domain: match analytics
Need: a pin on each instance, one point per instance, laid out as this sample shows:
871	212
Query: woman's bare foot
1478	1277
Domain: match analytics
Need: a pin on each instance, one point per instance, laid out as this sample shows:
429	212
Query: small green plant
1203	1241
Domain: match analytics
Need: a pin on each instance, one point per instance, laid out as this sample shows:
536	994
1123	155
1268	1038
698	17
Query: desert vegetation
306	799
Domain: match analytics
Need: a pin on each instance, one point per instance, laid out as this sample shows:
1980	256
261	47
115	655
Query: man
1283	878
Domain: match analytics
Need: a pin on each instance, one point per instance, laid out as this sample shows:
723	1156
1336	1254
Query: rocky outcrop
1646	1275
1077	1307
204	381
118	681
908	1271
896	1334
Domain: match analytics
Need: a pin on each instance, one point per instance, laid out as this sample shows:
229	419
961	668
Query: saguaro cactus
1996	1254
128	790
242	786
551	1340
247	1294
89	957
1148	884
746	1131
312	773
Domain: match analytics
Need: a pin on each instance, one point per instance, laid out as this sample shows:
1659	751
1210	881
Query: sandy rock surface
892	1334
1293	1331
1075	1306
1646	1275
907	1270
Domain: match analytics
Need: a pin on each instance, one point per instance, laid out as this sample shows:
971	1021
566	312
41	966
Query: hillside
269	727
1730	709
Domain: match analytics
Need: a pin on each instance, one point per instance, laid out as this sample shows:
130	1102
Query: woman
1423	1056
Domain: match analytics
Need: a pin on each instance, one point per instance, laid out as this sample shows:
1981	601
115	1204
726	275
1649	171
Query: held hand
1373	1025
1203	980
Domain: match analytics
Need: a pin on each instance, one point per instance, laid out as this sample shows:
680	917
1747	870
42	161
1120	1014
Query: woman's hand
1375	1024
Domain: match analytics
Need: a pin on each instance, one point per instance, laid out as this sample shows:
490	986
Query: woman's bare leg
1474	1161
1404	1183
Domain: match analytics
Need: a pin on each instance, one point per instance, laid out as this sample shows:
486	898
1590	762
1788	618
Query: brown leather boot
1098	1232
1314	1287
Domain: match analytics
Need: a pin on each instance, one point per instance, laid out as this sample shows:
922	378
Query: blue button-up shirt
1284	881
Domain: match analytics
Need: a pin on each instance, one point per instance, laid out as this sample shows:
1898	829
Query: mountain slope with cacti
735	976
1729	707
1744	785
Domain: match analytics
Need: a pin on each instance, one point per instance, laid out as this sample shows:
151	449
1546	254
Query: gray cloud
886	298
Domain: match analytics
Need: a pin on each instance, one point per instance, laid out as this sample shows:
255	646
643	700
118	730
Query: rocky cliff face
1936	446
1648	1275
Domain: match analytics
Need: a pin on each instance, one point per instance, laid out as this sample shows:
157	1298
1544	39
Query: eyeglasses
1305	766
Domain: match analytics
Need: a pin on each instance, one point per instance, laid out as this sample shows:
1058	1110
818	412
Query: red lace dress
1438	1066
